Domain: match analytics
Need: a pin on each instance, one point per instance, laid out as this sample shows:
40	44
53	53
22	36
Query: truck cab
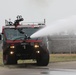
17	44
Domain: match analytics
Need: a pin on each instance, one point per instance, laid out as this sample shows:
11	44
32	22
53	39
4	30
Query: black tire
43	59
9	60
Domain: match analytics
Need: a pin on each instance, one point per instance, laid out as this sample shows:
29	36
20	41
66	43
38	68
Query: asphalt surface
61	68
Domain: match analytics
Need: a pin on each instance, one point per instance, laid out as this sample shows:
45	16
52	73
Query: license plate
23	43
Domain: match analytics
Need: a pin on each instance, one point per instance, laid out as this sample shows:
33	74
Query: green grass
53	58
1	61
62	57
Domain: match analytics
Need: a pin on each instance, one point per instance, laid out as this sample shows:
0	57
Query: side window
4	39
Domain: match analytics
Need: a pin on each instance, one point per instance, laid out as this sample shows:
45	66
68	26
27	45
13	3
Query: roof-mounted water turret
16	22
19	19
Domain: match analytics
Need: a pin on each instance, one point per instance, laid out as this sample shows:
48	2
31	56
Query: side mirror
0	37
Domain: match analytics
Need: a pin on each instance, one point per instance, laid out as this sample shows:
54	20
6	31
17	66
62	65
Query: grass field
62	57
1	61
53	58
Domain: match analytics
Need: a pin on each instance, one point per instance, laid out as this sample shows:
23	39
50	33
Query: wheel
43	58
9	60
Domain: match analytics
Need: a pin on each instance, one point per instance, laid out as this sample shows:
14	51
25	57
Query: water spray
62	25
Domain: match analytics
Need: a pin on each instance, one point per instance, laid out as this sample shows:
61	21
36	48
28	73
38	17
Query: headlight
36	46
38	52
12	46
11	52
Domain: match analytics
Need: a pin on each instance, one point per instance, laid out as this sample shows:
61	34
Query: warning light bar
26	25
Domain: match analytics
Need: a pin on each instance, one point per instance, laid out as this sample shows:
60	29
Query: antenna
44	21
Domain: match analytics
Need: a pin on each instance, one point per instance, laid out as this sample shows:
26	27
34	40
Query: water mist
63	25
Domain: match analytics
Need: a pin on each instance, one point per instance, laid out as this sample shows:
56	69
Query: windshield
13	34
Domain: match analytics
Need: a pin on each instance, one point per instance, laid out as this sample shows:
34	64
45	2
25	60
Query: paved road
62	68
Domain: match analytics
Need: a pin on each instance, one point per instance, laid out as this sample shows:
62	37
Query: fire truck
17	44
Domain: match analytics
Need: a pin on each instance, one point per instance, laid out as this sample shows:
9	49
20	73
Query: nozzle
19	18
29	37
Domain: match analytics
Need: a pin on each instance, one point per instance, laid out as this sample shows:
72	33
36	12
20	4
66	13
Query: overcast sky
36	10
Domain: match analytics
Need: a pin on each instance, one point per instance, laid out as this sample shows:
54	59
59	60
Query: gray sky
36	10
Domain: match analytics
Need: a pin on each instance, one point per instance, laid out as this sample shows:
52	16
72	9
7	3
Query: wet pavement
61	68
